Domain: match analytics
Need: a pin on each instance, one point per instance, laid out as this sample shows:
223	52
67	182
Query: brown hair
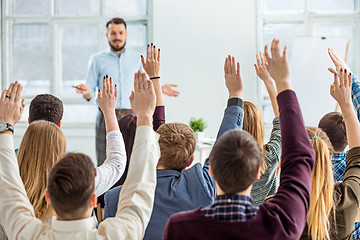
322	186
253	123
127	125
42	145
46	107
334	126
177	145
235	160
71	185
116	21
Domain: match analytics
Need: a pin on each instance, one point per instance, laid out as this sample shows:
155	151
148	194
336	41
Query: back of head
254	124
322	186
127	125
42	145
235	160
71	185
177	145
46	107
334	126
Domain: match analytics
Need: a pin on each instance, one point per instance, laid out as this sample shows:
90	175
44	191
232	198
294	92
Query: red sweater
283	217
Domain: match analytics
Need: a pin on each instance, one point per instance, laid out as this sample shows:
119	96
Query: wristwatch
6	126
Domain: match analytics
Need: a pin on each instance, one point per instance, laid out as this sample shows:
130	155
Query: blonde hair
177	144
322	186
253	123
42	146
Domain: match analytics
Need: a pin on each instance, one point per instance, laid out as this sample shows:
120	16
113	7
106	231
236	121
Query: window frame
55	22
308	18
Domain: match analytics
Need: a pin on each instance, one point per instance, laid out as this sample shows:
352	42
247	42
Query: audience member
235	163
46	107
254	124
179	189
333	209
71	181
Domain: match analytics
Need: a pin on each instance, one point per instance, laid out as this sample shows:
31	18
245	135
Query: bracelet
348	114
152	78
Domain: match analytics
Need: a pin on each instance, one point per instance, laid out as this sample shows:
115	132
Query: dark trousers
100	136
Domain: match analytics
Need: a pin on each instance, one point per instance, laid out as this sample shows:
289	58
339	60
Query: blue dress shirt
120	69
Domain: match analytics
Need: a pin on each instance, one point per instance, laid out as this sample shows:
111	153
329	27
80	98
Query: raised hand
338	62
264	75
261	69
340	90
168	90
11	105
107	103
108	96
233	80
152	63
278	66
143	99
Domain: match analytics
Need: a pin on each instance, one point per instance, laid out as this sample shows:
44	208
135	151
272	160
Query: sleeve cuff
235	102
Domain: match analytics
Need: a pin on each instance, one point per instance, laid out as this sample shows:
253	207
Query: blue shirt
231	208
339	165
120	69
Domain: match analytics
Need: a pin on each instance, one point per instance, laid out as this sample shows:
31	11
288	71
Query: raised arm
137	195
16	212
264	75
234	113
115	163
291	202
152	68
355	86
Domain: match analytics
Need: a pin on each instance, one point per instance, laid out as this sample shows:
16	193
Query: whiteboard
310	78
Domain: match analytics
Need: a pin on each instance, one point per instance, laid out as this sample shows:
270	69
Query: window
287	20
46	44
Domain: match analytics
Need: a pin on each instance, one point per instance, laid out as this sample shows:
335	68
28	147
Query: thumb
131	98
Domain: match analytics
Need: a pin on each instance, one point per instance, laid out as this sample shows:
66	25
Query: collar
230	198
108	51
73	226
167	173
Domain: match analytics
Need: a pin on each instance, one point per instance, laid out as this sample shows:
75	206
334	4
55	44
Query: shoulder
99	55
185	216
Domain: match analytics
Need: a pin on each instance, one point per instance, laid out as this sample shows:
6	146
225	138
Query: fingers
173	85
153	53
345	76
19	90
341	78
3	95
233	65
116	91
226	66
131	98
258	61
142	60
350	79
285	52
149	86
111	87
158	57
144	83
275	48
332	70
332	90
136	81
267	55
336	80
256	68
9	91
148	53
237	68
22	106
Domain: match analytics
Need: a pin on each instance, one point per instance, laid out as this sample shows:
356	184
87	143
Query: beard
117	49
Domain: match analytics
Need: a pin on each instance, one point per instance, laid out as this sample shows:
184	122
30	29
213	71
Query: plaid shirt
231	208
339	165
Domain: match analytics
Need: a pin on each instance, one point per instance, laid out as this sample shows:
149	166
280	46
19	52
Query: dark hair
334	126
71	185
235	160
46	107
127	125
177	145
116	21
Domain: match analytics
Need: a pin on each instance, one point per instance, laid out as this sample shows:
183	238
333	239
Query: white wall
194	37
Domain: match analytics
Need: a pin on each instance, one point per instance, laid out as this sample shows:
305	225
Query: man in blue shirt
120	64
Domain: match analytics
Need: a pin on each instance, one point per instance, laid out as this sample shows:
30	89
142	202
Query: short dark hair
177	144
116	21
71	185
46	107
235	160
334	126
